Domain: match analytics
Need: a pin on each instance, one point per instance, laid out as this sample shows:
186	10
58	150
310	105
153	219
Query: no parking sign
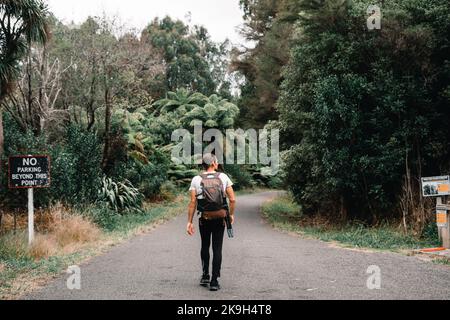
29	172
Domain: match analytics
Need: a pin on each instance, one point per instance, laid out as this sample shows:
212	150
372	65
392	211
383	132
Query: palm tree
22	22
181	101
217	113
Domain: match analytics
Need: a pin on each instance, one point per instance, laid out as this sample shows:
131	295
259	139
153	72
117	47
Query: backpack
212	192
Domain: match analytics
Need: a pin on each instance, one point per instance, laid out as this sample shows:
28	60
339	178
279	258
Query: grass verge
285	215
72	241
441	261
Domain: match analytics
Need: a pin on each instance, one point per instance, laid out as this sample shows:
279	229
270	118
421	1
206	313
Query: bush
240	175
103	216
168	191
121	197
430	233
148	178
282	207
275	182
81	156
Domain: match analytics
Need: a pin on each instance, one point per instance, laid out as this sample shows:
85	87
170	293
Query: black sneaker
204	282
214	285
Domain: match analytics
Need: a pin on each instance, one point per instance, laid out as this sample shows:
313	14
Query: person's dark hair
208	160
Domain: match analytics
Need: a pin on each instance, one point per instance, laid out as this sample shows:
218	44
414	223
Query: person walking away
209	193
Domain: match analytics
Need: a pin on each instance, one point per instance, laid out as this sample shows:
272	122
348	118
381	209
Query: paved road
260	263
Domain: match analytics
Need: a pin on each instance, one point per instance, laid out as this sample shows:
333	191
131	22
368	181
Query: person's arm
191	211
232	199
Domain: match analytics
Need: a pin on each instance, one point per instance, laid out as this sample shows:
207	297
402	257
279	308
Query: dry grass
75	229
59	231
45	220
43	247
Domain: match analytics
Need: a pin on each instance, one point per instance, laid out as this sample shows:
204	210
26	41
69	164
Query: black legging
214	229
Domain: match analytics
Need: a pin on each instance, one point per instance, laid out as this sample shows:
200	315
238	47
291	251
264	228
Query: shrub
148	178
181	175
241	176
275	182
103	216
168	191
430	233
282	207
75	169
121	196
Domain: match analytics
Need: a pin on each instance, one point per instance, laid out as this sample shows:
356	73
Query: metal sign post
29	172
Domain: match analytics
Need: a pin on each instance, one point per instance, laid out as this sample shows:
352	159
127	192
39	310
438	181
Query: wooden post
444	232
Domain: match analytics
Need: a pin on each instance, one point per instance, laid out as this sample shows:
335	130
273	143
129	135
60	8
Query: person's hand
232	219
190	229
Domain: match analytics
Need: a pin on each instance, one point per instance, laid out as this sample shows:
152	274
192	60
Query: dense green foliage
193	60
102	105
21	24
269	24
121	196
29	26
364	113
75	165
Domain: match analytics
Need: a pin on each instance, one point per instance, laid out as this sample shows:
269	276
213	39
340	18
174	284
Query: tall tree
186	53
268	27
365	112
21	23
137	67
34	104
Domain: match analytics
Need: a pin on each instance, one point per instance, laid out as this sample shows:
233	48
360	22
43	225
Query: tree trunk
93	91
2	138
108	114
343	210
30	92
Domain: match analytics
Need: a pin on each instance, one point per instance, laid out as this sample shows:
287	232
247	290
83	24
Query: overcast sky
220	17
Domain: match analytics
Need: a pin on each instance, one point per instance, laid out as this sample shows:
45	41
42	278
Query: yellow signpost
441	218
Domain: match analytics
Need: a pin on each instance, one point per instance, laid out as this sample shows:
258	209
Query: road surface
260	263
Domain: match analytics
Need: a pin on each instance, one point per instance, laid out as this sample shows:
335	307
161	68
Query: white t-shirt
197	184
